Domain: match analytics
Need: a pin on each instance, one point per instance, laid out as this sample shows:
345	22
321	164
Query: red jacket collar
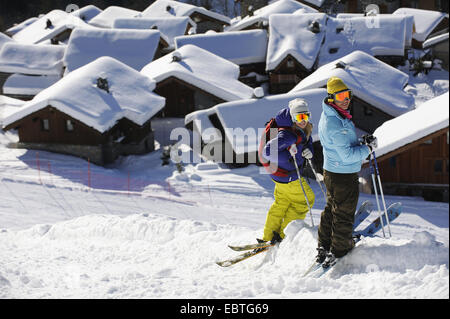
340	110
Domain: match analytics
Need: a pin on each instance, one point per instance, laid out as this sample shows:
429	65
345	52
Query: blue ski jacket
342	152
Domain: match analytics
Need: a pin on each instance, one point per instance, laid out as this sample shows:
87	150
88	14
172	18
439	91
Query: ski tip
224	263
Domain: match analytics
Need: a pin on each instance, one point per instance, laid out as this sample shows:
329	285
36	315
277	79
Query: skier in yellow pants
293	142
290	204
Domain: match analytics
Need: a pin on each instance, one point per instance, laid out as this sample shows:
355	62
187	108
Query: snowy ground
141	230
160	237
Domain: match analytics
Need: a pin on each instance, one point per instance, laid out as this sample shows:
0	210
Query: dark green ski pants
336	222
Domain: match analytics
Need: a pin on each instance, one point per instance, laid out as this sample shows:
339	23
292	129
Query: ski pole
376	193
382	195
303	190
317	179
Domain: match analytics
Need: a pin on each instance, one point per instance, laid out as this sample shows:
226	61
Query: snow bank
153	256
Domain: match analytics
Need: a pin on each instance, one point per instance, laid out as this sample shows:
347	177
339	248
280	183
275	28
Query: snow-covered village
225	150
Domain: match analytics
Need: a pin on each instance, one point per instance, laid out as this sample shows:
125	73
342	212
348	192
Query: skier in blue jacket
343	155
292	142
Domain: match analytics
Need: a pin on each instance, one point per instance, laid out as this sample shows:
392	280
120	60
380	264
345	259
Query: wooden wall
425	162
286	75
31	131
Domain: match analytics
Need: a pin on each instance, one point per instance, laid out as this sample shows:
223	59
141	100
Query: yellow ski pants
290	204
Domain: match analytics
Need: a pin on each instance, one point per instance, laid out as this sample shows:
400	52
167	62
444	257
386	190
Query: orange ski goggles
342	96
303	117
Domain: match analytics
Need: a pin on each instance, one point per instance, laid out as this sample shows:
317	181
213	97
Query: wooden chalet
113	125
52	130
183	98
412	153
248	7
185	79
294	45
439	48
420	168
205	22
204	19
286	75
26	69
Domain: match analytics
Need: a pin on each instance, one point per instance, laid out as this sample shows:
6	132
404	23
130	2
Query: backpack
272	168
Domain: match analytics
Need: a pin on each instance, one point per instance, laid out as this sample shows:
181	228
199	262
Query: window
428	142
290	63
438	166
45	125
69	126
368	111
333	50
393	161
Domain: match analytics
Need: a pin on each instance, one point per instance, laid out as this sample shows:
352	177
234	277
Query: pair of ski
317	270
363	212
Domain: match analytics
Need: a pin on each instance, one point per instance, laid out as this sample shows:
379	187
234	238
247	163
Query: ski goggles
342	96
302	117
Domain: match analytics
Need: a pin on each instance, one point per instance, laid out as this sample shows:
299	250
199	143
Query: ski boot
330	260
321	254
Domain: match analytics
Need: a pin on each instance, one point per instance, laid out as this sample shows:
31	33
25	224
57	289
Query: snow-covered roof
424	21
135	48
385	35
291	35
426	119
8	106
130	96
435	40
370	79
202	69
38	31
169	8
105	19
169	27
253	114
409	21
28	84
4	39
240	47
31	59
17	27
317	3
87	12
262	14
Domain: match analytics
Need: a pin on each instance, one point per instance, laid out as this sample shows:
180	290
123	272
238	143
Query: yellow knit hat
335	84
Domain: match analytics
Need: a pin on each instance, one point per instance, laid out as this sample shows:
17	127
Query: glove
370	140
293	150
307	153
